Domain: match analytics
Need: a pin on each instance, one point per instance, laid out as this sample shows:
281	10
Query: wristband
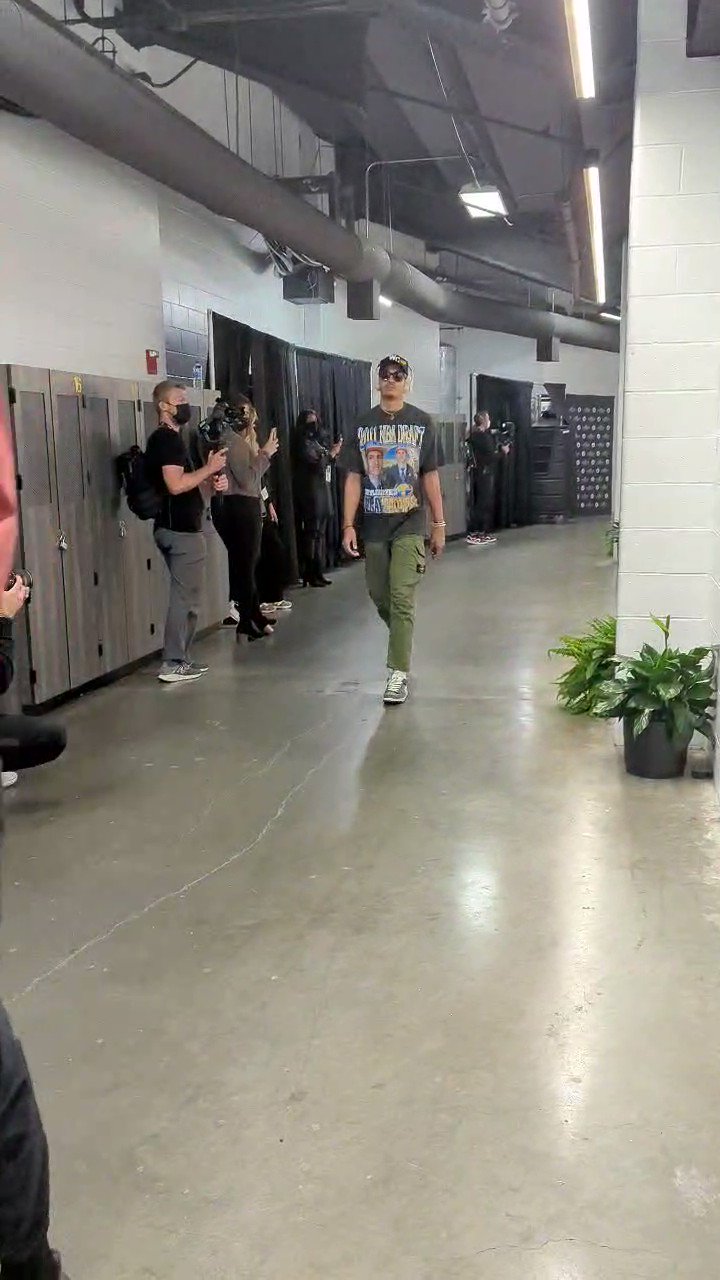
348	526
439	524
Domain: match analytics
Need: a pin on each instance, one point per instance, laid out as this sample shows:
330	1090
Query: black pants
238	520
482	516
26	743
314	546
273	572
24	1176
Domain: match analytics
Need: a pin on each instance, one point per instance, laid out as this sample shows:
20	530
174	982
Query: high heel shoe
253	631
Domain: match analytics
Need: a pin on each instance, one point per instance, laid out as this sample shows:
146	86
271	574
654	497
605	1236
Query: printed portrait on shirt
391	462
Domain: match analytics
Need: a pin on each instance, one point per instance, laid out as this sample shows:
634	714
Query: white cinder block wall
670	514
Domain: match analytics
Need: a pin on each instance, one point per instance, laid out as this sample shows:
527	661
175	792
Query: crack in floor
174	894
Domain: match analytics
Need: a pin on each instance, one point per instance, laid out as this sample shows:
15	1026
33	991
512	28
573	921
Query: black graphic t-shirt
391	452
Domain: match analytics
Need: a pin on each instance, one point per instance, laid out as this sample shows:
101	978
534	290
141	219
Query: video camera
505	434
220	419
25	577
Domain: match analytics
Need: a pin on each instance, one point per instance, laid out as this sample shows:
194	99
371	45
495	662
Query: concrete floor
314	991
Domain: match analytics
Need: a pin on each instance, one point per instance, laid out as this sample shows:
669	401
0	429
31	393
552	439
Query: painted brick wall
670	516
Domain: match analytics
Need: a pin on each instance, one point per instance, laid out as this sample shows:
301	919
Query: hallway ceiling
366	75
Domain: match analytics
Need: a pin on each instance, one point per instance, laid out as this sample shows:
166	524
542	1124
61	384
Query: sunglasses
395	375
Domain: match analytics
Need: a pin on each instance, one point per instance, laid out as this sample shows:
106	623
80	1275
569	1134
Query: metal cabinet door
31	418
155	565
78	555
99	414
138	547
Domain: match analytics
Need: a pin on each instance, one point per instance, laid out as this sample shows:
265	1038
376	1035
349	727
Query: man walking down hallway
391	461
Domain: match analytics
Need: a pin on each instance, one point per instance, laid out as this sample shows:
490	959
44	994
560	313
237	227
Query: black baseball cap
400	361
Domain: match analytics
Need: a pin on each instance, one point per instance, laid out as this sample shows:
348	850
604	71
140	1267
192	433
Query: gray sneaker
199	668
179	672
396	689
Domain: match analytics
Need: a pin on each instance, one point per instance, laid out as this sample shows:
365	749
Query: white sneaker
8	779
396	689
179	673
233	617
282	606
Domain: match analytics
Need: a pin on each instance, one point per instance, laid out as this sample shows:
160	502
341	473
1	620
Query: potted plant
593	663
612	539
662	696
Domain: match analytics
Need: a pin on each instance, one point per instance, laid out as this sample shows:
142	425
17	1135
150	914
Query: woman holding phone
237	515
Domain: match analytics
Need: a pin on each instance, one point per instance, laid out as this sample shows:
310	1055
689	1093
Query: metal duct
51	72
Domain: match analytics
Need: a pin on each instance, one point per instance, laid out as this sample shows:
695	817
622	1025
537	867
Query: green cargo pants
393	571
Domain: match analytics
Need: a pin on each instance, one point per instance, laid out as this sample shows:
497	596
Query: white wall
80	254
670	515
502	355
91	251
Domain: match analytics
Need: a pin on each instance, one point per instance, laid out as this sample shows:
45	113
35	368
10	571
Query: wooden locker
100	425
78	554
47	639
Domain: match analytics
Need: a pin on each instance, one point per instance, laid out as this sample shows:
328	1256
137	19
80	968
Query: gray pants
184	555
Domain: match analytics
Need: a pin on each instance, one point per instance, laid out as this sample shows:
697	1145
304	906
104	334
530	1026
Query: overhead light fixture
386	302
483	202
610	315
592	187
577	16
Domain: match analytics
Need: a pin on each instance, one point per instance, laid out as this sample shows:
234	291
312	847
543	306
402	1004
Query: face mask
183	414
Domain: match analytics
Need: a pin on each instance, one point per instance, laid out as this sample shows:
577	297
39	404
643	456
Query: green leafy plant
666	685
612	538
593	664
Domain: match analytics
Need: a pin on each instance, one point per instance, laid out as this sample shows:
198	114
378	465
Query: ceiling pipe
49	71
573	244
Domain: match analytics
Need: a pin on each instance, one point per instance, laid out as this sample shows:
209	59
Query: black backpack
142	497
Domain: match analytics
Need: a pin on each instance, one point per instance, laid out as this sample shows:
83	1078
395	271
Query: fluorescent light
386	302
483	202
577	15
592	187
610	315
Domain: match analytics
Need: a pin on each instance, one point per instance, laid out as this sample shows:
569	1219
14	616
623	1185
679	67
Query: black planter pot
653	754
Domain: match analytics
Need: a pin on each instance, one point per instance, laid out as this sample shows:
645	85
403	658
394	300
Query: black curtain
338	389
232	346
273	392
280	381
262	367
509	401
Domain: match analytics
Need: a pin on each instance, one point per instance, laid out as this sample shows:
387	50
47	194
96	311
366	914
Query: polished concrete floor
314	991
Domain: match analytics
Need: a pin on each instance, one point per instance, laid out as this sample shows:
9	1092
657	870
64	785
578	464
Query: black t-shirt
483	449
391	451
182	513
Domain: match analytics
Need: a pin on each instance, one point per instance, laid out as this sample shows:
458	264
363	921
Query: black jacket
24	1172
312	492
7	654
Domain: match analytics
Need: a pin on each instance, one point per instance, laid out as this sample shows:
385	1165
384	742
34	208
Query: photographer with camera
25	743
237	515
178	527
483	457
